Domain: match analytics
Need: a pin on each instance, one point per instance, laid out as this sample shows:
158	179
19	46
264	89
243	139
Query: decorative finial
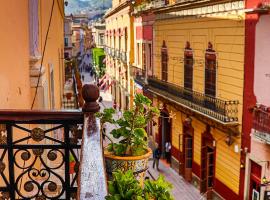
90	93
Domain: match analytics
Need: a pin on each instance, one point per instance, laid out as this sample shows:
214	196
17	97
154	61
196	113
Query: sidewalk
182	190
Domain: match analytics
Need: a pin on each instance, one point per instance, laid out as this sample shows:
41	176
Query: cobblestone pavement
182	190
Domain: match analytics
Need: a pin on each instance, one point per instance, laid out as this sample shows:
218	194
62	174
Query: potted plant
125	186
128	149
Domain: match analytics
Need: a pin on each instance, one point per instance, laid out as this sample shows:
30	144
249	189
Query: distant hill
86	6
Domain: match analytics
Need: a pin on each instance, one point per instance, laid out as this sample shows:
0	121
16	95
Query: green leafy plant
159	189
130	131
124	186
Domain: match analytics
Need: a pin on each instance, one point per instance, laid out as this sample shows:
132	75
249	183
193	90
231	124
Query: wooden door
188	158
255	181
203	169
210	168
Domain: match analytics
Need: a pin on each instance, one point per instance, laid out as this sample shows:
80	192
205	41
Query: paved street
182	190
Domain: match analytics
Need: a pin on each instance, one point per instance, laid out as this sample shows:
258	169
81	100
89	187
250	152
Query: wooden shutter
210	71
164	62
204	169
188	158
188	67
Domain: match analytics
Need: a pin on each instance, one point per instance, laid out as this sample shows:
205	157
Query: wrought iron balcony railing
117	54
124	56
139	75
218	109
261	119
150	5
45	155
112	52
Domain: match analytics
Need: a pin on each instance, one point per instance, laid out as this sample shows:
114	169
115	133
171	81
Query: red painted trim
224	191
175	152
196	169
249	99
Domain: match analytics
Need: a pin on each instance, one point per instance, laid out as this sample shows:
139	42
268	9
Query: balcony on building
261	123
225	112
139	75
149	5
123	56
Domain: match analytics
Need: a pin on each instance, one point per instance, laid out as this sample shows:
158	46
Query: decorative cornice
229	7
117	9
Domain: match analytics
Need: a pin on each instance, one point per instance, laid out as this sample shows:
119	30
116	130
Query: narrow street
182	190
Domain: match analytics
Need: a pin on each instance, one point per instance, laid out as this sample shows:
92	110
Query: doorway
207	163
187	151
165	131
255	181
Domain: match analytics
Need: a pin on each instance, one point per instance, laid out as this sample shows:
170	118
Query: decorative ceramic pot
138	164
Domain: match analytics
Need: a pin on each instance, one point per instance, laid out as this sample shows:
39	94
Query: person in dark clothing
104	132
156	157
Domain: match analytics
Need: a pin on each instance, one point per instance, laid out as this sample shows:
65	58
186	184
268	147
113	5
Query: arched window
188	67
210	71
164	62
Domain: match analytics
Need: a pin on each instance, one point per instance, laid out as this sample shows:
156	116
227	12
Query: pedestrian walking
168	148
104	132
156	157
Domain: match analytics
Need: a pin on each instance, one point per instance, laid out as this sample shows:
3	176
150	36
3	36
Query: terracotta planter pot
138	164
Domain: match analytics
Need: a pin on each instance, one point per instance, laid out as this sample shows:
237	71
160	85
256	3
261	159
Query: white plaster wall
262	61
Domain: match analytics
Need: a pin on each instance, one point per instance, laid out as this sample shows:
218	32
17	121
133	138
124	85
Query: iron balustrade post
10	161
67	145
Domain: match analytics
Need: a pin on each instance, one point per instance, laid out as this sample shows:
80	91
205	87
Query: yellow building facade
119	53
23	40
197	82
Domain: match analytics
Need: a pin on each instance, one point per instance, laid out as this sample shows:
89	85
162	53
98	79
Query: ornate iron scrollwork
37	134
40	170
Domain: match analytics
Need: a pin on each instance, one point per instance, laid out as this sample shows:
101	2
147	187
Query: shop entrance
165	131
255	181
207	163
187	150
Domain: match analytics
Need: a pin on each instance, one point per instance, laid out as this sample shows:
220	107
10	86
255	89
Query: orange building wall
14	55
55	47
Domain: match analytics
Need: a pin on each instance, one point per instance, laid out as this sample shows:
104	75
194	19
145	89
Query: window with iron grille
138	53
126	39
143	57
150	56
188	67
164	62
210	71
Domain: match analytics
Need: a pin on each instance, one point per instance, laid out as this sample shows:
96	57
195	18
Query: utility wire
43	53
42	59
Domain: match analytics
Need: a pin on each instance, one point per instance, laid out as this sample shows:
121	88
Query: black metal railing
112	52
261	119
117	53
139	75
124	56
225	111
55	155
40	154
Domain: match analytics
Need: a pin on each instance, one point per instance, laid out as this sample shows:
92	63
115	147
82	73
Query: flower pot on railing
130	150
